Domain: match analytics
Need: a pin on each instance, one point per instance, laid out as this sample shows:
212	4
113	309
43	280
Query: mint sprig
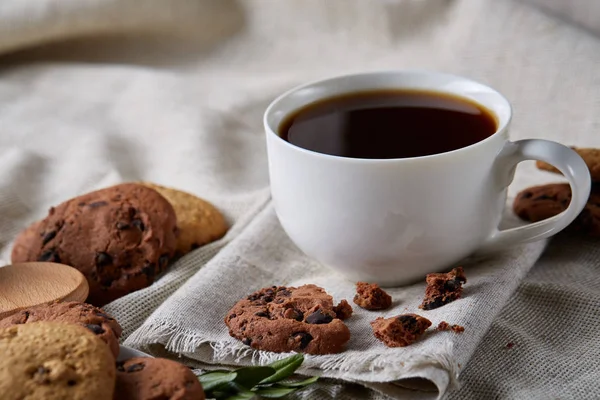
247	383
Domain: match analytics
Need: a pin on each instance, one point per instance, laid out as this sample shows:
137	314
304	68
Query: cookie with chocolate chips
283	319
400	331
120	238
156	378
94	319
540	202
54	361
443	288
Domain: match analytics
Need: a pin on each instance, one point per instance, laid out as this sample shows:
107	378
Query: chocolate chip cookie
120	238
443	288
540	202
199	222
94	319
371	297
24	241
284	319
156	378
400	331
591	158
54	361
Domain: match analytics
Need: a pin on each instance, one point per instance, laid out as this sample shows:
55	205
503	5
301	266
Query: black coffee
388	124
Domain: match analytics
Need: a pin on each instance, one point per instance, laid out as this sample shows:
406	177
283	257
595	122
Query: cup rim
502	125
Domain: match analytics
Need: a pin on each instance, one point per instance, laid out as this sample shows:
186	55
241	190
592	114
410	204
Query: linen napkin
190	322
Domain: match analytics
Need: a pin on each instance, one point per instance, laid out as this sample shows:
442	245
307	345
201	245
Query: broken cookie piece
444	326
371	297
343	310
400	331
284	319
443	288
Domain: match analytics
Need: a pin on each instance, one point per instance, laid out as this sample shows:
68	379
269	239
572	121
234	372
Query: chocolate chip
131	211
97	204
303	337
300	316
122	225
71	382
232	316
81	204
267	299
50	256
138	224
42	371
102	315
107	282
253	297
97	329
527	195
120	366
269	292
26	316
284	292
408	321
451	285
262	314
543	197
103	259
163	261
135	367
436	303
48	237
318	317
149	270
247	341
279	301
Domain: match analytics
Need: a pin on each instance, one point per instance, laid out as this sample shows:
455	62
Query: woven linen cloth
173	92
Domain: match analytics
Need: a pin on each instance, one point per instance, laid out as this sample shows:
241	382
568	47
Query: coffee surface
388	124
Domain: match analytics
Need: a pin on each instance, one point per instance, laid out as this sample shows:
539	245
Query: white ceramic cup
392	221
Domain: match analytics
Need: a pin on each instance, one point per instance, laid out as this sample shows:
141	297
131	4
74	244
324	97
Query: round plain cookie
94	319
590	156
284	319
120	238
199	222
54	361
144	378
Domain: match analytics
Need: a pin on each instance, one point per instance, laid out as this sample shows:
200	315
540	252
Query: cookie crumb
371	297
444	326
443	288
400	331
343	310
510	345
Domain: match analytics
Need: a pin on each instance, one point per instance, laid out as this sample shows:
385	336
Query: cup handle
568	162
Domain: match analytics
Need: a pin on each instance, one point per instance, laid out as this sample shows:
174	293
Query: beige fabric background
174	92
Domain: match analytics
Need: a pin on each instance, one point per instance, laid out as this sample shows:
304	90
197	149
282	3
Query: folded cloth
190	322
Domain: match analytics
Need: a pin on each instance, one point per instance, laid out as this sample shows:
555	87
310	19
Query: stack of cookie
121	237
68	351
541	202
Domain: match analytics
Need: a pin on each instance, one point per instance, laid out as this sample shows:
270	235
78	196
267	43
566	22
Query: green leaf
242	396
227	390
284	368
214	379
275	392
299	384
248	377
